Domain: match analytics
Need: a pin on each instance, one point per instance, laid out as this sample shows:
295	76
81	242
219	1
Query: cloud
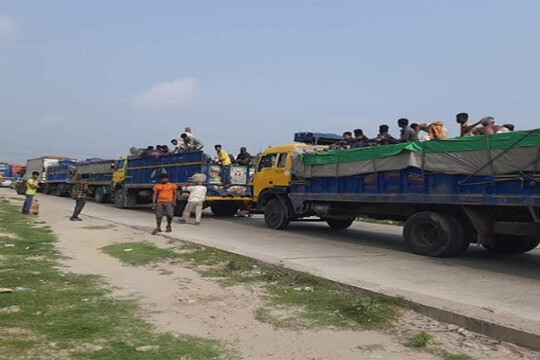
6	26
173	94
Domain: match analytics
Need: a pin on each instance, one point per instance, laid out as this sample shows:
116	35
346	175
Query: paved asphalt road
501	288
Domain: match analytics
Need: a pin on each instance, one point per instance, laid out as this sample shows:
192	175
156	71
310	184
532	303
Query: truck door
272	170
119	173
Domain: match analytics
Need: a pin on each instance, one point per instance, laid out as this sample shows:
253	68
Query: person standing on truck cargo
407	132
243	158
384	137
466	129
163	202
32	185
223	156
80	191
197	195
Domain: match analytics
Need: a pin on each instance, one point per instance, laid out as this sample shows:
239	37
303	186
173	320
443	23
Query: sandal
169	229
156	231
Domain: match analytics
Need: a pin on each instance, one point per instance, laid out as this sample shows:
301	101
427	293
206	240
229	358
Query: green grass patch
139	253
420	340
60	312
317	302
449	356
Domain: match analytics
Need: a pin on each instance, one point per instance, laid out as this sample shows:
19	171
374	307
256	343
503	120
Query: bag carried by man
20	188
34	208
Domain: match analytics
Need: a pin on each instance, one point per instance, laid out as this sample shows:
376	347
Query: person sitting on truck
190	143
384	137
197	195
165	150
407	132
223	157
163	202
510	127
176	146
345	143
359	140
489	127
434	130
243	158
465	129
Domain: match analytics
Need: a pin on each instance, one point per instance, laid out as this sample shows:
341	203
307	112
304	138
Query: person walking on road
80	192
197	195
32	185
163	202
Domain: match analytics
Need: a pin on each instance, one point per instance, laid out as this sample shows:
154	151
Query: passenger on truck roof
384	137
407	132
243	158
222	156
510	127
489	127
465	129
176	146
434	130
190	143
359	140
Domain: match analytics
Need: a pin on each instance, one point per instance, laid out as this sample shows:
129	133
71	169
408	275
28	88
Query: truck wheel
340	224
99	195
433	234
224	208
512	244
58	191
276	214
119	198
131	199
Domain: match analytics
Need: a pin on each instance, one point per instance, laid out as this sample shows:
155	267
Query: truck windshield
267	161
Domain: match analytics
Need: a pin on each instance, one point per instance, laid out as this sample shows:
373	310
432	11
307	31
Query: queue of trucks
448	193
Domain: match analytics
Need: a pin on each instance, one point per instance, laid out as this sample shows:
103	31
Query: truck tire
224	208
340	224
276	214
119	198
131	199
99	195
59	191
512	244
433	234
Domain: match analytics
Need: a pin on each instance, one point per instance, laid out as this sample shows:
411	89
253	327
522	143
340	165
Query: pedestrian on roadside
163	202
197	195
80	191
32	185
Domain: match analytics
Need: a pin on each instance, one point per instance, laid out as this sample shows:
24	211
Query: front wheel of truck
340	224
513	244
119	198
276	214
433	234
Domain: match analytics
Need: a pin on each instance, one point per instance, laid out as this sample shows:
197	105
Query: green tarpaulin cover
517	139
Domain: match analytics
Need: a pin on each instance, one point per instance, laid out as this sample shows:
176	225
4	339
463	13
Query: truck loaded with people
448	194
482	187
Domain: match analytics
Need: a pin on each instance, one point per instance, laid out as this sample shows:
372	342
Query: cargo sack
20	188
34	208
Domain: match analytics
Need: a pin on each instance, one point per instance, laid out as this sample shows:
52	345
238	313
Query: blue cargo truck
58	177
99	173
448	193
134	177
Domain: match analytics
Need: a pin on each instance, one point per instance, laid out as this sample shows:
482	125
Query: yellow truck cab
272	177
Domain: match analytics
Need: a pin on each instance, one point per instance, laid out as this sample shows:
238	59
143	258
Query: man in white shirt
197	195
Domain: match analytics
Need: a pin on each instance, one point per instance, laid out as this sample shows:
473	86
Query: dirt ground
176	299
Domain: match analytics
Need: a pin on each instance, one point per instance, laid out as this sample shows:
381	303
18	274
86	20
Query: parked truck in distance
99	173
41	165
134	178
58	178
448	193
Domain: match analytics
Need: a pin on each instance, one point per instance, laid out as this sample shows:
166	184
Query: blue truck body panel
61	172
144	172
413	185
6	170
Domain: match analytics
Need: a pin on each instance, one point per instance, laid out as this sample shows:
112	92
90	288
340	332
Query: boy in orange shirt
163	202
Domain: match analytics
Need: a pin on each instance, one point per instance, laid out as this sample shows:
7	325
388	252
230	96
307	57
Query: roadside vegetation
46	313
293	299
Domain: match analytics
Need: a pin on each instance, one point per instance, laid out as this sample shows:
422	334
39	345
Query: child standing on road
163	202
197	195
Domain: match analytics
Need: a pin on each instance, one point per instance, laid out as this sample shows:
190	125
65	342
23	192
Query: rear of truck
487	192
229	187
58	178
99	173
